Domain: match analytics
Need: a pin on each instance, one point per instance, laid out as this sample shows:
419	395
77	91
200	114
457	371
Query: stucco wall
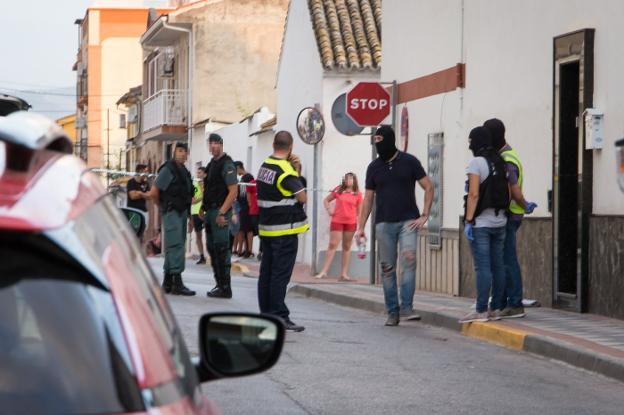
507	48
121	70
341	154
299	85
236	46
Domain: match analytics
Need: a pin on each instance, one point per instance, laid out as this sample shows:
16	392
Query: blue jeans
513	276
393	235
278	261
487	251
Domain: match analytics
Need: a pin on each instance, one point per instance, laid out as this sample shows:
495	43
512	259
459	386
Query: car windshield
62	348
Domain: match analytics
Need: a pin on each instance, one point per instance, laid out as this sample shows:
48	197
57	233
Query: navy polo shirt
394	185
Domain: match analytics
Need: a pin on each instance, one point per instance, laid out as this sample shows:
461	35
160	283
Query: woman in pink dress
344	214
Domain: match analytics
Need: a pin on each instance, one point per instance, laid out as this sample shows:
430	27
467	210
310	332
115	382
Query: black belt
212	205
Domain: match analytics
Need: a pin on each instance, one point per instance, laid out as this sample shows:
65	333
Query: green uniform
174	217
220	174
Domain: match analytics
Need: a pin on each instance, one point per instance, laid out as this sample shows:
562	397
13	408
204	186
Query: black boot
178	287
215	272
222	273
167	283
221	292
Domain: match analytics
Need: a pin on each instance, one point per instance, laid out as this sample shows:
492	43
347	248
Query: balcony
165	115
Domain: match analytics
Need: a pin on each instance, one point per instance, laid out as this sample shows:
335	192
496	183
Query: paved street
348	362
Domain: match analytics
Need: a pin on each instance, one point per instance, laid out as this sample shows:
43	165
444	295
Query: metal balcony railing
166	107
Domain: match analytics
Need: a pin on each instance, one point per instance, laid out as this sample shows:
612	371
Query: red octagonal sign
368	104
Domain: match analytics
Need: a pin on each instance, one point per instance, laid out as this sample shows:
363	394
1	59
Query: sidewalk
301	274
586	341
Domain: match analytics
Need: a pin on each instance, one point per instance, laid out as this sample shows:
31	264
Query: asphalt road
347	362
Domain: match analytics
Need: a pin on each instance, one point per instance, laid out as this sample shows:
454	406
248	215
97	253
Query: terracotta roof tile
348	33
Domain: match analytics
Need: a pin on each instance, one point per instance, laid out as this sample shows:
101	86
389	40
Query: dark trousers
278	261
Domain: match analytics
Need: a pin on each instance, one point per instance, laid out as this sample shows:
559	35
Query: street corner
496	333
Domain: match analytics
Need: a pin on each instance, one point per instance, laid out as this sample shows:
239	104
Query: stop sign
368	104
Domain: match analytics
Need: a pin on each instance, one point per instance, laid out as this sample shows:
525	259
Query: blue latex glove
530	207
468	232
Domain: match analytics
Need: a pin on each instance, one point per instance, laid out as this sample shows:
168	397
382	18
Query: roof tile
348	33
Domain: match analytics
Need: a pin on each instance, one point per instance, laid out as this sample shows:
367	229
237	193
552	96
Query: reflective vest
511	156
280	213
199	194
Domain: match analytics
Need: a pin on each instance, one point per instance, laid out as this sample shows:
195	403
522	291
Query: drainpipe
189	94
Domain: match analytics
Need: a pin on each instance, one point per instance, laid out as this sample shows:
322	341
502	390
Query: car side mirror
238	344
136	219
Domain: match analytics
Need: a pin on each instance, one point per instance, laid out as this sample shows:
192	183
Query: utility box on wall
593	129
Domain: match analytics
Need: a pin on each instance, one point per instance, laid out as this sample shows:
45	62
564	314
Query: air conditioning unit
133	114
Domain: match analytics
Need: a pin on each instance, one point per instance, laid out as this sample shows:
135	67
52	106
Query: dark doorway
572	168
567	208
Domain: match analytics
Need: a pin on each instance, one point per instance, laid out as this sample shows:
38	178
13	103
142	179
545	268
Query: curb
491	332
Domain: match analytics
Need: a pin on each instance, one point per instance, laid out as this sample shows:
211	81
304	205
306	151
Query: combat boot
222	290
167	283
179	288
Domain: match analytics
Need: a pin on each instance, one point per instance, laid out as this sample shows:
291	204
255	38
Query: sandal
345	278
320	275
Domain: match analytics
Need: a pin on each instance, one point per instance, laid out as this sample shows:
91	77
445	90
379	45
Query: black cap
215	138
182	145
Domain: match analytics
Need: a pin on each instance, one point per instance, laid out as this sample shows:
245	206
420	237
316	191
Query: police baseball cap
215	138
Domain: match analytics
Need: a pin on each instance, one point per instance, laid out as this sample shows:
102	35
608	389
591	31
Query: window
63	348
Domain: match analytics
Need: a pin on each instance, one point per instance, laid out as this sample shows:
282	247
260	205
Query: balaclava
480	139
497	131
386	148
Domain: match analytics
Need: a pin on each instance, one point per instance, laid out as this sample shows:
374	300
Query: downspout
189	94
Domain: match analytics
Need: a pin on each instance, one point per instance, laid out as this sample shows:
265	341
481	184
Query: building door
572	169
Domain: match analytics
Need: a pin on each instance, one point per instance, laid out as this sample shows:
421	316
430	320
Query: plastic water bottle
361	243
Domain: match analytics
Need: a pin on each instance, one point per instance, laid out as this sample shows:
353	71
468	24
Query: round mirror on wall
310	125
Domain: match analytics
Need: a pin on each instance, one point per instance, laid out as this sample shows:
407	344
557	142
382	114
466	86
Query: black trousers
278	261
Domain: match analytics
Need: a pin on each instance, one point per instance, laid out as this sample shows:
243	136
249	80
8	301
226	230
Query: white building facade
539	67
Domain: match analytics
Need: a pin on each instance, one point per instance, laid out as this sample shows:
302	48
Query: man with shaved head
281	197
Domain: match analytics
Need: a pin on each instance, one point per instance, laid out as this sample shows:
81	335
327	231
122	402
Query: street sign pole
394	105
373	241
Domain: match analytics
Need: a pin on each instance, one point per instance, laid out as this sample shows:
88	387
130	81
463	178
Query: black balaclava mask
386	148
480	139
497	131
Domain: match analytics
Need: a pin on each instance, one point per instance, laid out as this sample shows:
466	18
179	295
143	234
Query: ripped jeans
392	236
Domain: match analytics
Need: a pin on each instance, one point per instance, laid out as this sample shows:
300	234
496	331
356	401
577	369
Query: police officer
174	191
281	196
220	189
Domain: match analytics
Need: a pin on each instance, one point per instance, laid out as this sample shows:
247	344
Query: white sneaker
495	315
474	316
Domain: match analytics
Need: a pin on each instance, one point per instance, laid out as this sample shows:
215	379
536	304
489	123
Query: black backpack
494	190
